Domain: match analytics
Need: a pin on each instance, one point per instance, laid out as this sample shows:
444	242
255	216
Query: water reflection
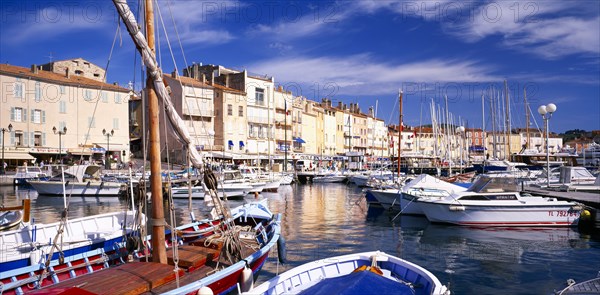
324	220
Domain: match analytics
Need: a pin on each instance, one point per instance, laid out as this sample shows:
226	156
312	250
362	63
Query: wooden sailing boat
214	256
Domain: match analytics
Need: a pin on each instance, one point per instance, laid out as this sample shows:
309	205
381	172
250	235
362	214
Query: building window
62	107
104	97
251	131
116	123
36	116
260	96
91	122
38	92
476	141
62	89
117	98
62	125
240	111
18	141
18	89
18	115
37	140
87	95
229	110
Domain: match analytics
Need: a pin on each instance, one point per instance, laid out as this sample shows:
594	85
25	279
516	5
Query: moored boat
362	273
495	201
79	180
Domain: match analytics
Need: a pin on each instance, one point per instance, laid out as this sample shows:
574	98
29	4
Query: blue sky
350	51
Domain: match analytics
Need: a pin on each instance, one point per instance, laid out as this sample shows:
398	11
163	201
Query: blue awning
241	143
230	143
477	148
299	140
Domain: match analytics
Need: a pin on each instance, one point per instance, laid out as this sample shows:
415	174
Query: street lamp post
9	129
461	131
60	134
108	135
546	111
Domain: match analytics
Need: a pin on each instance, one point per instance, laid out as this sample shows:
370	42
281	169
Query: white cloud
53	21
361	74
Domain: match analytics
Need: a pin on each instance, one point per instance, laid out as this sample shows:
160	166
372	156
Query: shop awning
114	147
299	140
241	143
81	151
17	155
98	150
230	143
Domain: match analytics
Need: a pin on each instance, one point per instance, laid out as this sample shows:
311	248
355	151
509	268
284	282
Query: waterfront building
35	101
194	102
260	105
283	121
330	128
313	135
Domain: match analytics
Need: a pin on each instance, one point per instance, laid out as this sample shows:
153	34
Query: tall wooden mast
159	253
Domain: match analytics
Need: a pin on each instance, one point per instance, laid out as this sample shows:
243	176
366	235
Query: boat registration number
563	213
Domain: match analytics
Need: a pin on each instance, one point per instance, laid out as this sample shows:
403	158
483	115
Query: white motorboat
495	201
235	177
79	180
424	187
330	177
256	175
362	273
26	173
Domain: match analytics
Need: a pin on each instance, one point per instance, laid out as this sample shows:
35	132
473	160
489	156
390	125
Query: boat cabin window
494	185
489	198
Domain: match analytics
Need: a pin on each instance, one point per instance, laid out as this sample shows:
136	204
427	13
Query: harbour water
324	220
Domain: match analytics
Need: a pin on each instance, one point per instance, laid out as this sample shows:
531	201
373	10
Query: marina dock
589	199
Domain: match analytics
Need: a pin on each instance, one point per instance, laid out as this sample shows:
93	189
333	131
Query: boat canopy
486	184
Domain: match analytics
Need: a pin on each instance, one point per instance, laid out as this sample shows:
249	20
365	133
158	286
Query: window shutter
12	137
43	117
12	114
25	138
32	115
32	139
24	115
44	139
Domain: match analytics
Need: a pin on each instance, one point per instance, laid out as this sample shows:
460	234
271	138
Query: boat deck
195	262
588	287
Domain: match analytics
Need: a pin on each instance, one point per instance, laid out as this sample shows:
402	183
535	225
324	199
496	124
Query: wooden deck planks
193	256
130	278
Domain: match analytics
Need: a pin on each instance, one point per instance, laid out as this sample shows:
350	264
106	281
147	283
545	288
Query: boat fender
34	257
205	291
246	280
281	250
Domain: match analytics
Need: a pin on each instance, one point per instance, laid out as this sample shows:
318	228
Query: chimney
174	74
68	74
371	112
226	80
203	78
34	69
339	105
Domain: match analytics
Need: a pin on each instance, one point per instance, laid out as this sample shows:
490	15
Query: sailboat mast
400	132
526	118
159	253
507	118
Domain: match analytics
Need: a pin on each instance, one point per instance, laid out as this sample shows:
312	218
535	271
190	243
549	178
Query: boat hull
301	278
54	188
392	199
515	215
